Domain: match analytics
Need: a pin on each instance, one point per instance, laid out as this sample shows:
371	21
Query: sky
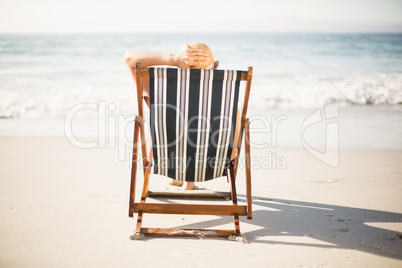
118	16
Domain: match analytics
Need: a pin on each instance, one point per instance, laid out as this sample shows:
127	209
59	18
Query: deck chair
193	118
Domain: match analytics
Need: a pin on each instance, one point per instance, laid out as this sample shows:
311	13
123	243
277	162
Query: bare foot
176	183
188	185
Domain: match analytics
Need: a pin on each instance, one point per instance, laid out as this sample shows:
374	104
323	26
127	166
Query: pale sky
118	16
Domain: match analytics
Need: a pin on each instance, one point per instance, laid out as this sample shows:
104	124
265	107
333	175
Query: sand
63	206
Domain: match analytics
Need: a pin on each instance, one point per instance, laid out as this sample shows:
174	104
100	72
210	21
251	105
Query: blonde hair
205	49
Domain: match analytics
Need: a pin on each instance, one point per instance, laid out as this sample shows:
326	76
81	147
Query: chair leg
234	199
239	142
145	187
248	170
139	223
233	185
134	167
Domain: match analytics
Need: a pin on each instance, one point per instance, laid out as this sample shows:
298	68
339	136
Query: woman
192	55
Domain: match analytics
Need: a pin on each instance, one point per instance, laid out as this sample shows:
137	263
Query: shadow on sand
329	226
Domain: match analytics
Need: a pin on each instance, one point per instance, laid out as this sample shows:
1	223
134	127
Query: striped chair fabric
193	119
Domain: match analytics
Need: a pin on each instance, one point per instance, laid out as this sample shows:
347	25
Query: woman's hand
191	58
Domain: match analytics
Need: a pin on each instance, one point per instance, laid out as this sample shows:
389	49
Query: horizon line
195	33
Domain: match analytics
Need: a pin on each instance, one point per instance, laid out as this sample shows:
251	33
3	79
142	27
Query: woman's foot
176	183
189	185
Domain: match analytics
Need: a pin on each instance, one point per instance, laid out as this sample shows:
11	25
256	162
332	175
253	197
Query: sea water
44	76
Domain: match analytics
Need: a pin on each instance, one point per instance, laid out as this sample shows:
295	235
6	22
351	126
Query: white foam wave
297	91
311	91
22	104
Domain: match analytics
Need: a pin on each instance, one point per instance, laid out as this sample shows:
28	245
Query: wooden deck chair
192	123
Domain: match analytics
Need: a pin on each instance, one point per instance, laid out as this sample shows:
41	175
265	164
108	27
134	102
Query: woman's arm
191	57
149	58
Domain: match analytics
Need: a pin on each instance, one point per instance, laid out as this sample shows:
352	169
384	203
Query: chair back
193	121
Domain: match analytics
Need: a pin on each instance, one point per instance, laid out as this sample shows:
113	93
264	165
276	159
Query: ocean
44	76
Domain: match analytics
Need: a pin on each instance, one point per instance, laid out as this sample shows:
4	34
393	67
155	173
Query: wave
37	104
313	91
47	75
269	91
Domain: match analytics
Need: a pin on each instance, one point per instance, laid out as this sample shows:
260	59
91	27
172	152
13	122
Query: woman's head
211	63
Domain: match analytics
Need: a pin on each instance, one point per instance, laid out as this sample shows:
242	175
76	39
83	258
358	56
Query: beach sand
64	206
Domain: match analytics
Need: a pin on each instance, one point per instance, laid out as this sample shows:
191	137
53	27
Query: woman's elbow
127	58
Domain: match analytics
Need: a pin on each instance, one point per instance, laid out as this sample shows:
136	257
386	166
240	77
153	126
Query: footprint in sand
342	230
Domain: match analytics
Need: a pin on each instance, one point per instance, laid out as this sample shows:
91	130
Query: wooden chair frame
234	210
